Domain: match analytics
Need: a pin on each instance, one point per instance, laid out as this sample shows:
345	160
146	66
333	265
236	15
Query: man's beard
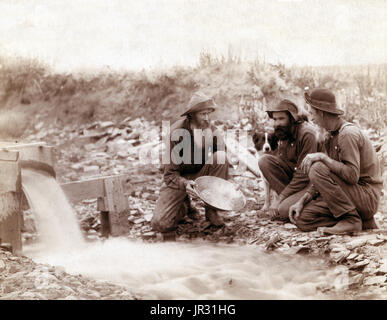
282	132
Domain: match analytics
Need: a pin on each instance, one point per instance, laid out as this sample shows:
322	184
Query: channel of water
168	270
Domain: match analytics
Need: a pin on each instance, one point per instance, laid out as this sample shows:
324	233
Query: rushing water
193	270
174	270
56	221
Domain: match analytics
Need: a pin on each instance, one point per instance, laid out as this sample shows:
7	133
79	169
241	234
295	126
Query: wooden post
112	201
104	217
10	200
116	204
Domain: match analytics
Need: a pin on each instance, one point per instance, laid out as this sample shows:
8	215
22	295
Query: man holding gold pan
195	149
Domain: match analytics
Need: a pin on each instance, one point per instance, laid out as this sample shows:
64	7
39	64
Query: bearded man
297	138
196	149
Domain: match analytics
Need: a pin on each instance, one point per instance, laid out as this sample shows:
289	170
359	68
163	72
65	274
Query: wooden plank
10	180
104	217
17	145
7	155
89	189
10	224
39	152
117	205
105	224
81	190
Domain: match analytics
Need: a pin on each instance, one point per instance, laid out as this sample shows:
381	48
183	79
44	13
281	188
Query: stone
382	268
89	146
149	235
356	243
375	280
303	250
360	257
6	246
122	154
359	264
148	217
337	247
352	256
375	242
340	256
356	280
132	219
106	124
2	265
289	226
138	221
91	169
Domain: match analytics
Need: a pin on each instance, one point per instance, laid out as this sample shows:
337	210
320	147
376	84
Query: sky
132	34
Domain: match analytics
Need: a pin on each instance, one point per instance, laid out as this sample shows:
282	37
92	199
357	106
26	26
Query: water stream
172	270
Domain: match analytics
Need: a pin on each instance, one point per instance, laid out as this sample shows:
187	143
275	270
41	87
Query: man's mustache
282	131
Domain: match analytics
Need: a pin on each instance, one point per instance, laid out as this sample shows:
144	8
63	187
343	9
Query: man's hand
189	184
310	159
295	211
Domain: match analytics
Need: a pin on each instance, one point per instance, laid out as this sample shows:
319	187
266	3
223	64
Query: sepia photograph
206	151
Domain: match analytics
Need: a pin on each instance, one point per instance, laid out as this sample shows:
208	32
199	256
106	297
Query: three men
337	191
297	138
196	149
347	177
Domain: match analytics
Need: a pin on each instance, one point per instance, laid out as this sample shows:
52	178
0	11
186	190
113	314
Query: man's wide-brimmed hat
199	102
324	100
284	105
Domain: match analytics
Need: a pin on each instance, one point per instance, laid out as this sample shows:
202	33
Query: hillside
31	92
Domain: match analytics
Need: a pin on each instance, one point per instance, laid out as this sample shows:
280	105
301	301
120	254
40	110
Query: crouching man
347	178
196	149
297	138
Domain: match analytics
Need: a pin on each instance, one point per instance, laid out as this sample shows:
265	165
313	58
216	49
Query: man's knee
305	224
283	210
161	225
265	161
318	170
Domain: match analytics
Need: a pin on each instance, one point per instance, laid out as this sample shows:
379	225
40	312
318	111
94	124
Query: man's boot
213	217
192	212
370	224
349	223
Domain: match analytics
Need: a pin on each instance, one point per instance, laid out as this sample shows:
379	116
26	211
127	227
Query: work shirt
303	141
182	148
352	147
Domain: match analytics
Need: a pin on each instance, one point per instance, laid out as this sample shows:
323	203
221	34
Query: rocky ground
107	148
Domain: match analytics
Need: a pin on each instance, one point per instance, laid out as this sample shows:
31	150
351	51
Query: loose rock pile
21	278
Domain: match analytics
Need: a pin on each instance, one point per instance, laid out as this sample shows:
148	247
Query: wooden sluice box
109	191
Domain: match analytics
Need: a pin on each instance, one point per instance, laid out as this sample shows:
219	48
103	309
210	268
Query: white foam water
195	270
173	270
56	221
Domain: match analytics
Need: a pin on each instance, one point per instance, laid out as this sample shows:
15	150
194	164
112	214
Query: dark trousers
336	199
279	174
172	205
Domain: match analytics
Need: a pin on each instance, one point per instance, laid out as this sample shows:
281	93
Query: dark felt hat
199	102
324	100
284	105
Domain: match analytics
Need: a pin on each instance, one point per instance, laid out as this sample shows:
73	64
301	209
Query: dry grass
31	87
